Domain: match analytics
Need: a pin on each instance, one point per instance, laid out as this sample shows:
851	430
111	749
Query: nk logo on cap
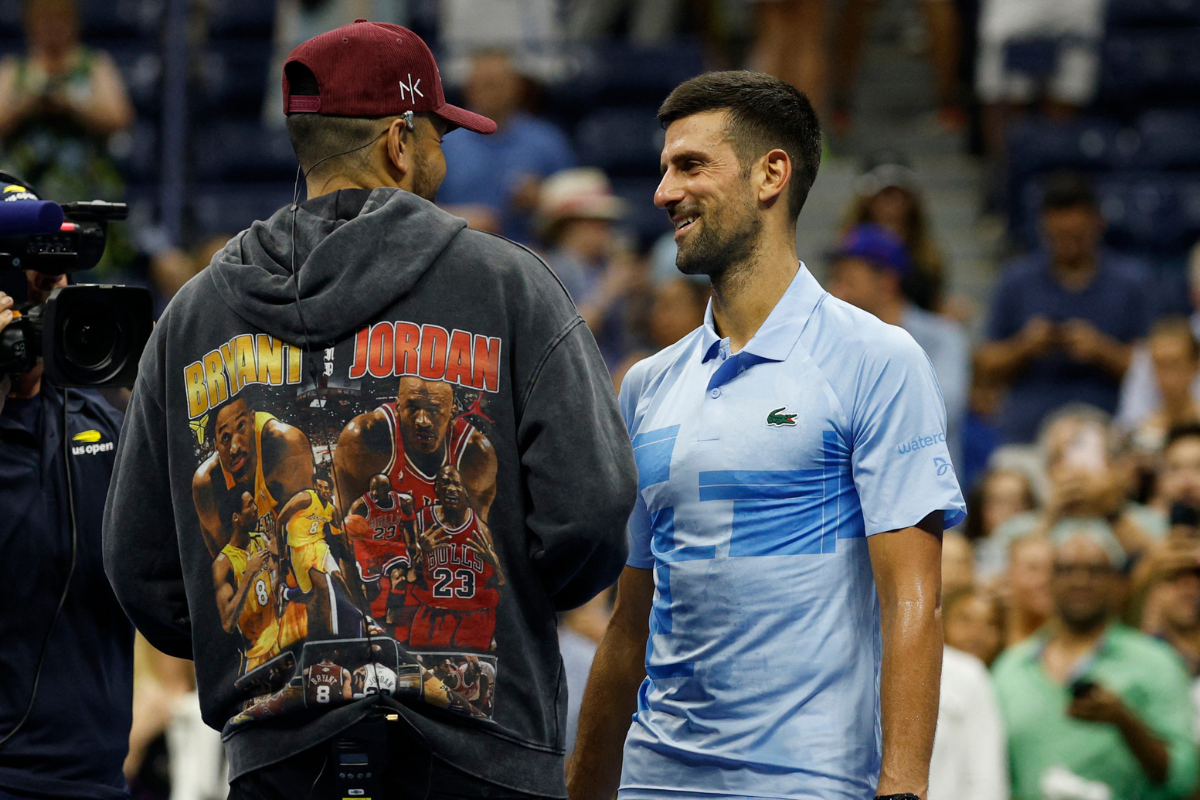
413	89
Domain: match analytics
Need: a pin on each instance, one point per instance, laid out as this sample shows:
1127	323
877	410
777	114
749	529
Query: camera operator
66	647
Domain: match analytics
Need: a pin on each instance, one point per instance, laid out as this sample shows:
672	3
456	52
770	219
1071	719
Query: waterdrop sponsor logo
920	443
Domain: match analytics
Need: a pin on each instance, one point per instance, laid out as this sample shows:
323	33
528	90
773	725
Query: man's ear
776	169
398	149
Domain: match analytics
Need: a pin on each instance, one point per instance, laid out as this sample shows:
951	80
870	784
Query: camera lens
94	335
90	336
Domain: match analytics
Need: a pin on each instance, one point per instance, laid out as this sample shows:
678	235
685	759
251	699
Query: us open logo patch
91	444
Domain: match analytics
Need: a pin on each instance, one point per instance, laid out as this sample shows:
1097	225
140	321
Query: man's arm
299	502
908	577
141	547
362	451
1101	705
479	467
287	459
1001	360
611	695
215	535
580	476
1087	344
230	602
358	509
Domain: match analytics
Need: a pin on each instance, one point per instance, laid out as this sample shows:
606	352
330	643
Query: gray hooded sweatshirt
375	485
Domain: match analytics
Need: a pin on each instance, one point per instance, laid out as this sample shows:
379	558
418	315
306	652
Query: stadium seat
141	68
1145	67
120	19
1144	212
11	26
136	151
242	150
1169	139
1149	13
620	74
234	78
1037	146
628	74
1147	213
238	19
621	141
229	208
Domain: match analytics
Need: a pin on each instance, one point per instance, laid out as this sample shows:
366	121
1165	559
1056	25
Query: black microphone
30	217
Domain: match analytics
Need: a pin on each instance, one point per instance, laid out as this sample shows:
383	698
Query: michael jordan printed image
346	513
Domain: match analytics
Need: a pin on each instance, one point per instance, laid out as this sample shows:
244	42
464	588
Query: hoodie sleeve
579	470
141	550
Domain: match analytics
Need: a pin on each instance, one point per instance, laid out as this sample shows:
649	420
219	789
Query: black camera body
86	335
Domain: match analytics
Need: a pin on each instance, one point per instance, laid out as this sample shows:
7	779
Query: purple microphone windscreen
29	217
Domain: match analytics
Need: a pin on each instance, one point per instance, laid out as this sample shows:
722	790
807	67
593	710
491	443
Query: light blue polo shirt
760	475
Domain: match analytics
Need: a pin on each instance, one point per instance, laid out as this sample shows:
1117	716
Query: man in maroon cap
366	335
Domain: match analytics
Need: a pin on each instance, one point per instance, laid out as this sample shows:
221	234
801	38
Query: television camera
86	335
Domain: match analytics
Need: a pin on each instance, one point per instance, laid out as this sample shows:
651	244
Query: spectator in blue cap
867	270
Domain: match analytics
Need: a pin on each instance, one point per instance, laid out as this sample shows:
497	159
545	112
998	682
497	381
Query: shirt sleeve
1168	713
141	550
899	459
578	470
639	528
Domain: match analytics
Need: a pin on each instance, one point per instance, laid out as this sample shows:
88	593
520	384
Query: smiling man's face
707	193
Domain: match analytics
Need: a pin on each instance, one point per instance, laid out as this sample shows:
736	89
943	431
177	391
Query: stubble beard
718	249
425	183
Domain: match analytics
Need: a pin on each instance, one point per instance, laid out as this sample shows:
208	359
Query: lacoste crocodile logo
779	420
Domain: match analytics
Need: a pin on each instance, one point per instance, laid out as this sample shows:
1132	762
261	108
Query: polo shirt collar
777	335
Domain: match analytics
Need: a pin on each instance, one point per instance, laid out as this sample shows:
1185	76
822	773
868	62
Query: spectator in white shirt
969	758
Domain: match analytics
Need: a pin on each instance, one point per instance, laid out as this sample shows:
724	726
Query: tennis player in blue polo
777	631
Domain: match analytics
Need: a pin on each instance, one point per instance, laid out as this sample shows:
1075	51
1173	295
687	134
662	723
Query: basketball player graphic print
458	588
350	509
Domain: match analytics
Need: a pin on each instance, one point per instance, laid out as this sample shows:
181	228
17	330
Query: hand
622	278
406	505
481	545
1171	557
1098	705
1082	341
57	103
429	540
6	316
254	563
1038	336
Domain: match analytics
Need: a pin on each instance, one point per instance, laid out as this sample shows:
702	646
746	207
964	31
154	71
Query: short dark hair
1179	432
1066	190
316	137
765	113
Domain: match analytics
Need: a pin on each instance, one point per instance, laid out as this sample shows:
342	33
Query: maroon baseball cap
374	69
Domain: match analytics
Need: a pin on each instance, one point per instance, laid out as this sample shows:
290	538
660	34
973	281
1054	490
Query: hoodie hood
342	279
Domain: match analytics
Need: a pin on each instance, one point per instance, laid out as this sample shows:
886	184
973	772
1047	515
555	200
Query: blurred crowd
1072	389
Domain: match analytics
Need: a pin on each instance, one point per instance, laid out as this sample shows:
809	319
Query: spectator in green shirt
1092	697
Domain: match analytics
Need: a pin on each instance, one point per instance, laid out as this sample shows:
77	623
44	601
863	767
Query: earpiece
407	116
